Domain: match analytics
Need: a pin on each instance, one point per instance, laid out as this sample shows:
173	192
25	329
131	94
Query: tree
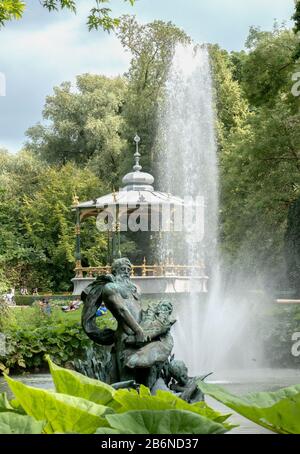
18	178
92	126
37	238
292	247
266	72
85	126
231	105
49	223
11	9
99	17
260	163
296	18
152	47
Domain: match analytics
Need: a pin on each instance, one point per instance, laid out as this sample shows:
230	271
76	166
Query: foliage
260	159
77	385
161	422
32	333
89	136
292	246
12	423
7	320
89	406
277	327
99	17
24	300
83	126
266	72
277	411
73	383
37	234
63	413
10	9
296	18
232	110
152	47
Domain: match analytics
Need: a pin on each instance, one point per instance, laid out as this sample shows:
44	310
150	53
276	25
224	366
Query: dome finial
137	167
137	180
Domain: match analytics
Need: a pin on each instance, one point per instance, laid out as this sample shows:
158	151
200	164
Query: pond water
238	382
254	380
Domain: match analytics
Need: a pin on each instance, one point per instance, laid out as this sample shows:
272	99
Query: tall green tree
296	18
152	47
266	72
292	247
85	126
260	163
232	108
37	238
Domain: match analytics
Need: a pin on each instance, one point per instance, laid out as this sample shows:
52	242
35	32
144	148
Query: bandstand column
77	238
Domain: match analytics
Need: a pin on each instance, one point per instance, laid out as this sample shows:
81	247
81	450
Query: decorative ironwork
145	270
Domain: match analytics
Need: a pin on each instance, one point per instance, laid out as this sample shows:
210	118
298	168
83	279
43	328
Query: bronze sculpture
142	344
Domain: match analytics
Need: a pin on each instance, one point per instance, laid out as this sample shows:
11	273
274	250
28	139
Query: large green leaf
74	384
4	403
277	411
12	423
63	413
162	422
164	400
110	431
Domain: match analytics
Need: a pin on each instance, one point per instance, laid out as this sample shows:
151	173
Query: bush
27	348
24	300
31	334
28	300
277	328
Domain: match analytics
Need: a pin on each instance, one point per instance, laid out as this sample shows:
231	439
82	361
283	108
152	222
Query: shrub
24	300
31	334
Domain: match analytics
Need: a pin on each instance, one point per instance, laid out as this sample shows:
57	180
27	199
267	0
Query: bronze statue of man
142	342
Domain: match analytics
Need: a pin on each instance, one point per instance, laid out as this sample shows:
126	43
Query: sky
44	49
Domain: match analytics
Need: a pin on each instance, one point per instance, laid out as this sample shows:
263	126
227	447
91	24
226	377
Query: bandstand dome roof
138	190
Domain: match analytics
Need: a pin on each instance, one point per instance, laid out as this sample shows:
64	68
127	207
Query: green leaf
109	431
4	403
163	422
164	400
63	413
277	411
69	382
12	423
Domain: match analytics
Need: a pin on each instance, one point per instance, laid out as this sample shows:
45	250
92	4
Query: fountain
211	333
189	149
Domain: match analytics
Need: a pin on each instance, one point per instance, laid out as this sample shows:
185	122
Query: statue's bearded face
122	268
124	271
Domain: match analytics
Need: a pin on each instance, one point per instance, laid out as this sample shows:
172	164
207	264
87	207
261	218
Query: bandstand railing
145	270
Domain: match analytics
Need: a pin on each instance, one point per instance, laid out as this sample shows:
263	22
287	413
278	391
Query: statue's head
121	267
165	307
179	371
